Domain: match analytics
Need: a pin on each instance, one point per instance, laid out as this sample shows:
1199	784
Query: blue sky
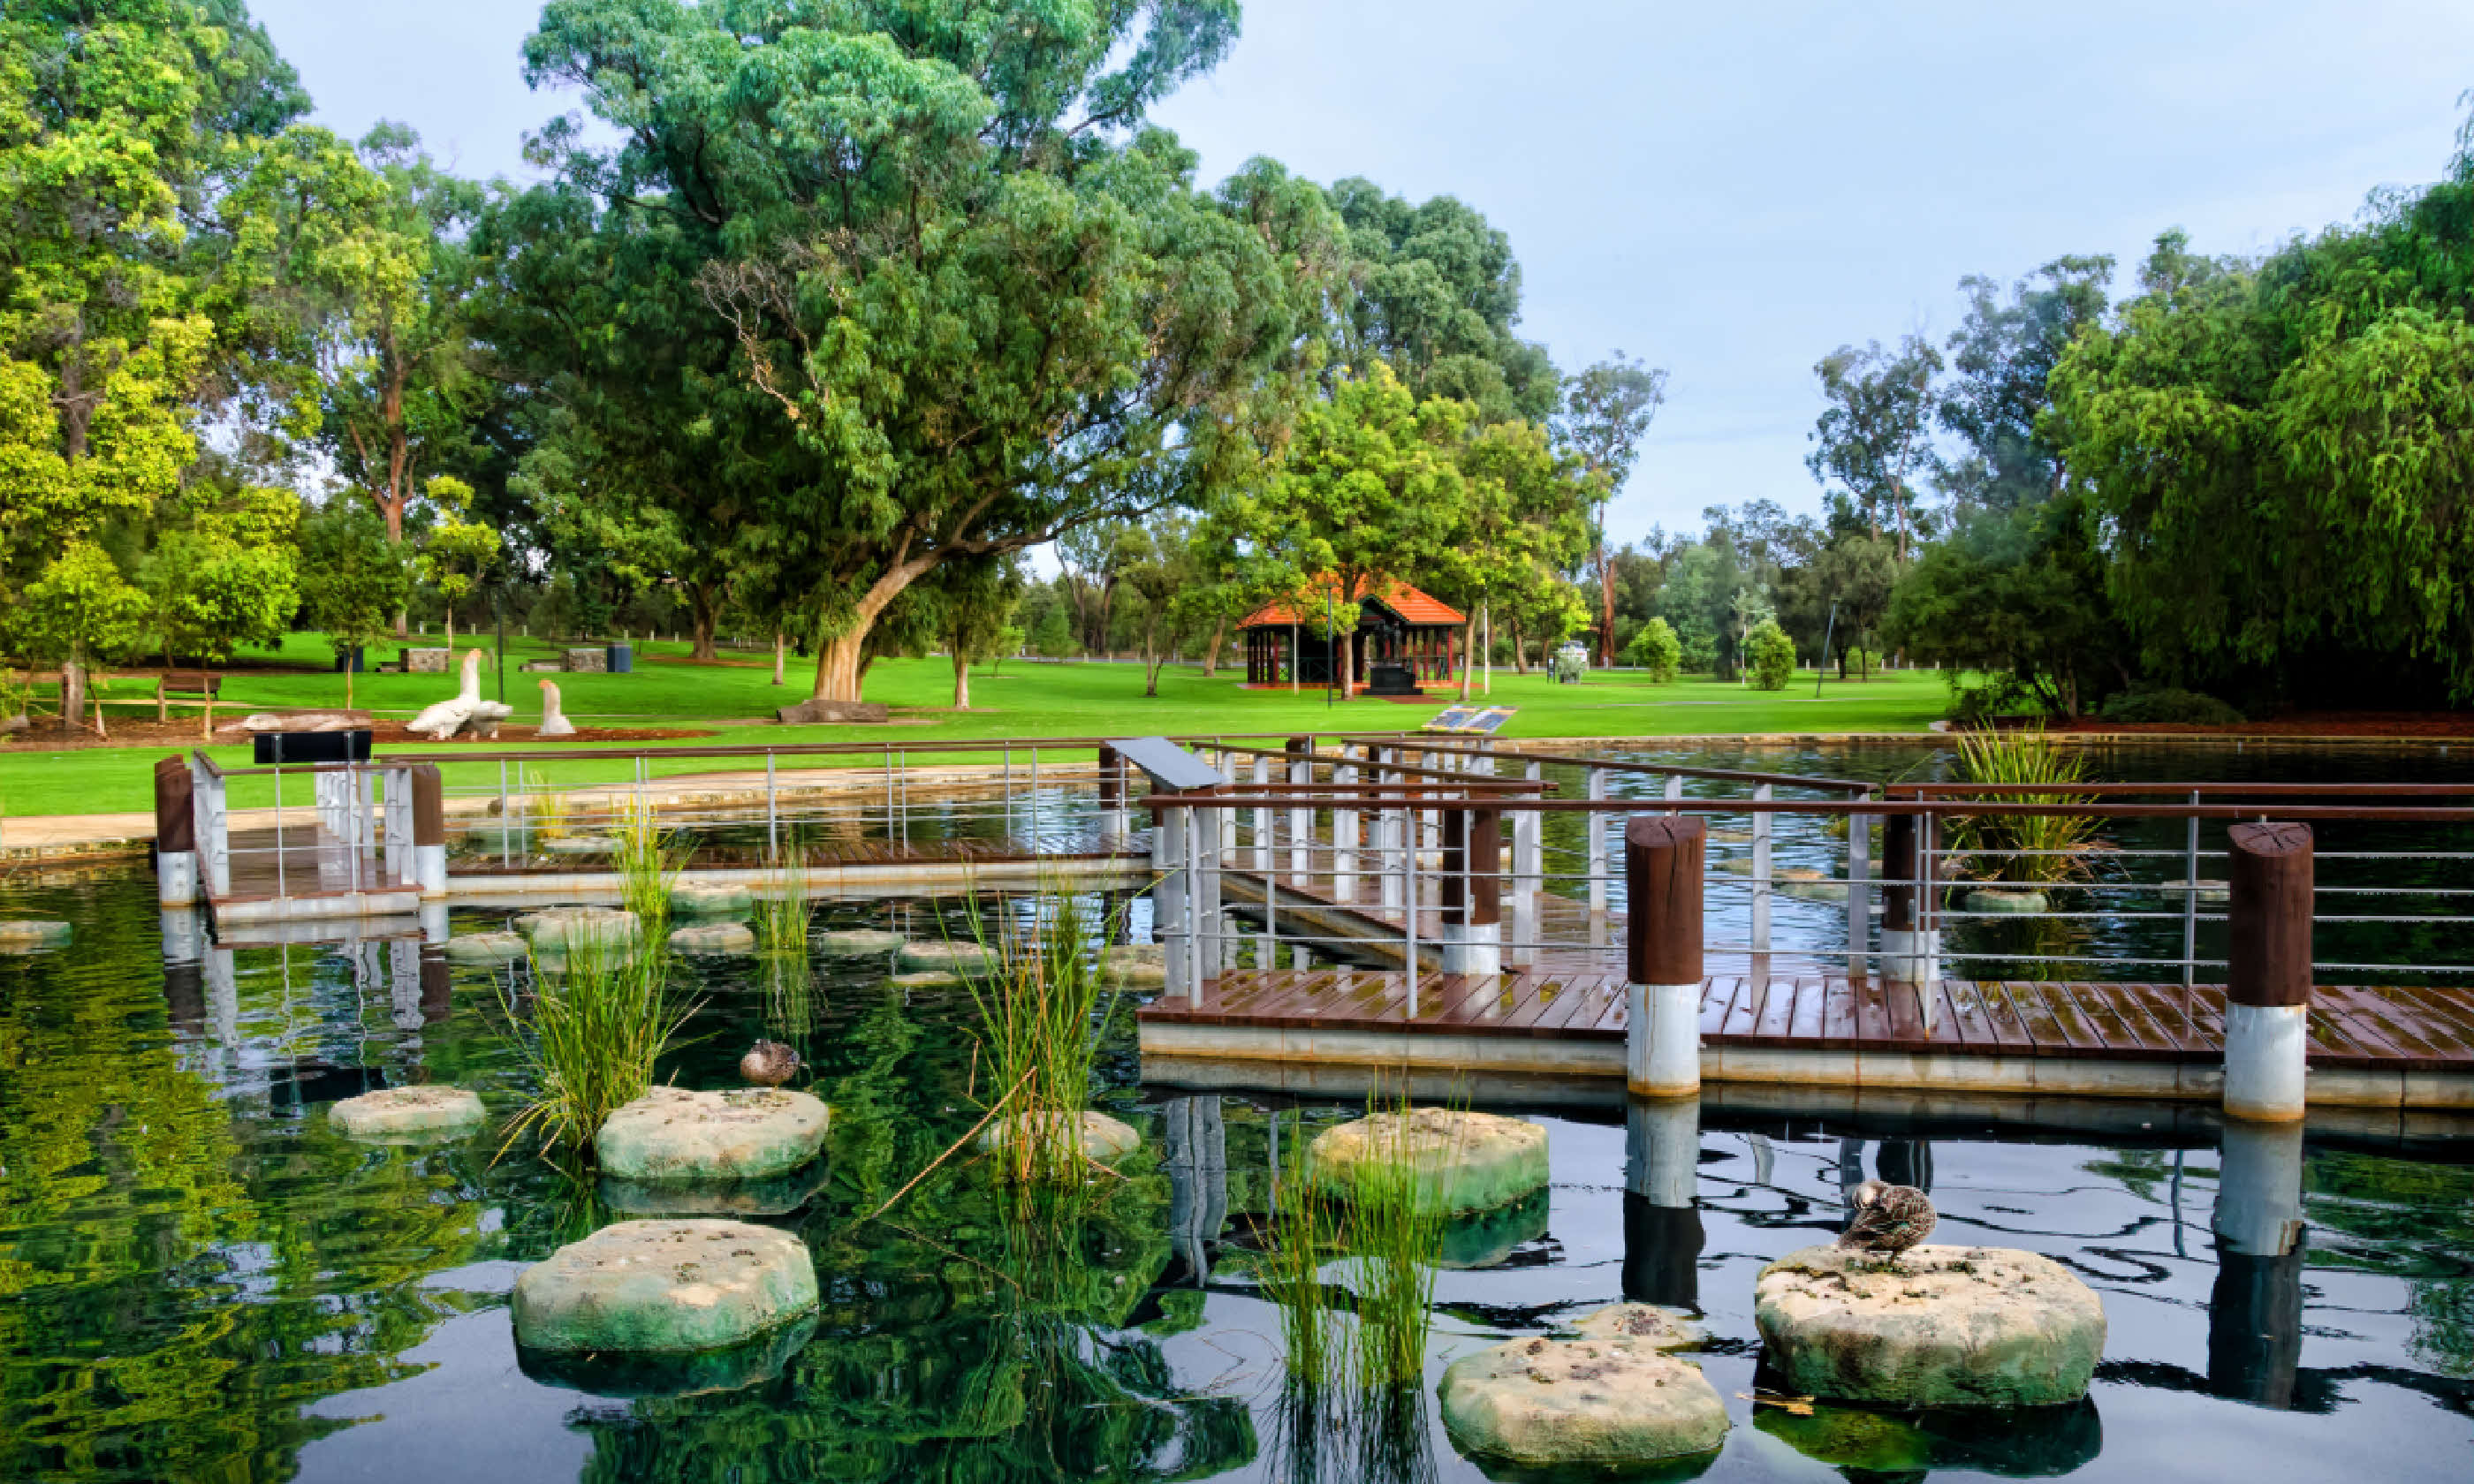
1731	190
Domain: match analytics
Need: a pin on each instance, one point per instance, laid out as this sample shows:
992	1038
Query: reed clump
599	1019
648	858
2024	850
1305	1235
1395	1236
545	808
782	915
1039	1030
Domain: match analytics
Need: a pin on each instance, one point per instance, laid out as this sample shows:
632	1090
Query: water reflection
2255	1309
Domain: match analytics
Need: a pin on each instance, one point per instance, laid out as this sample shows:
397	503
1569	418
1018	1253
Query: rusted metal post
2268	979
1664	859
176	834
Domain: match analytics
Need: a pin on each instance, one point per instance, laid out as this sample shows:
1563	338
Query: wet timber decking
2139	1040
304	871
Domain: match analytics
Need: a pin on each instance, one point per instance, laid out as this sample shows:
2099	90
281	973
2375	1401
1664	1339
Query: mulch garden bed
2440	724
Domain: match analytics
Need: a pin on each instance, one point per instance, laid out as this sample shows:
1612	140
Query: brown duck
1888	1220
769	1063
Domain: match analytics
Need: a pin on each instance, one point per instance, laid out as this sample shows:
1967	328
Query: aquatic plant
1394	1235
545	809
1305	1232
599	1019
783	906
648	859
1039	1034
2026	851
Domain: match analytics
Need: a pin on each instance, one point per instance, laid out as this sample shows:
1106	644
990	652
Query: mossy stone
703	900
671	1134
1462	1161
926	979
485	948
665	1288
954	958
563	930
858	942
713	939
414	1114
1608	1403
28	935
1104	1138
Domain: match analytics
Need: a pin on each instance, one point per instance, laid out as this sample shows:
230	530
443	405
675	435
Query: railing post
1300	820
2190	896
1911	946
1664	862
213	832
1212	830
176	834
1472	903
1173	853
1596	855
1859	891
772	824
1409	909
2268	979
428	829
1762	794
1344	834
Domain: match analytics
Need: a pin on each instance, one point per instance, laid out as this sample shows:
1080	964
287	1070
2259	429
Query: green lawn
1023	700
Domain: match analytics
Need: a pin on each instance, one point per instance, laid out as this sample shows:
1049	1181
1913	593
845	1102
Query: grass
782	922
597	1027
1022	698
1038	1040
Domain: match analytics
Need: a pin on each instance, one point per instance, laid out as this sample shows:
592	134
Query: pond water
201	1279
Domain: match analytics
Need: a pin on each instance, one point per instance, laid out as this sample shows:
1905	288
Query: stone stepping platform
665	1288
671	1134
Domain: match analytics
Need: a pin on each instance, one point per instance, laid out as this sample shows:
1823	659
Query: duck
768	1064
1888	1219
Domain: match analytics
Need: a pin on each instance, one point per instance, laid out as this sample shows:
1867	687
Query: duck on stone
1888	1220
466	710
768	1064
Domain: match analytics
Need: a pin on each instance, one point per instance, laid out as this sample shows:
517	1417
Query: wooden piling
2267	980
1664	857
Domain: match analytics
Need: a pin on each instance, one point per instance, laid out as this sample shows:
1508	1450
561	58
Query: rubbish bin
358	661
623	659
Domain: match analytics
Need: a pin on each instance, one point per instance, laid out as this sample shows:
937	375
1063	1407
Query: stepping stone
1643	1323
2209	892
858	942
955	958
926	979
410	1115
486	949
741	1134
1810	884
2019	901
1594	1400
665	1288
1104	1138
1140	965
577	844
2045	1442
695	900
1943	1327
564	930
713	938
28	935
1462	1161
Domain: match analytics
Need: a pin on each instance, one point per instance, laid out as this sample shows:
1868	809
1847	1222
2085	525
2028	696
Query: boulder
1603	1402
1136	966
811	712
1104	1138
858	942
713	938
2013	899
740	1134
1462	1161
955	958
486	949
701	899
28	934
1643	1323
2042	1442
665	1288
926	979
409	1114
1943	1327
561	931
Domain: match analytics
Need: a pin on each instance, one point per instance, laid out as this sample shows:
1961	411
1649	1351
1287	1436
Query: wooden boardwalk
2401	1029
311	866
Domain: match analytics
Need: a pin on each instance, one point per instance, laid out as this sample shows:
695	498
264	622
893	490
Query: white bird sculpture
554	721
466	710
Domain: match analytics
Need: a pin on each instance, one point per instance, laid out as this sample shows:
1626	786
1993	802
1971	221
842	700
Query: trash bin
359	661
275	748
623	659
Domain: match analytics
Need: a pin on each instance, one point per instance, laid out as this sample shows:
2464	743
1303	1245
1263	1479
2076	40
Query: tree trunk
1606	611
961	681
700	608
1211	654
450	629
777	657
1519	650
1469	654
72	688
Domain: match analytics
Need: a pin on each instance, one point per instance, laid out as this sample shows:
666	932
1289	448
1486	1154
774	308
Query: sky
1726	191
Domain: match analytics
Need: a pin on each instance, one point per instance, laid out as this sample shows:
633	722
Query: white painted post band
429	868
2265	1047
1663	1151
1344	840
2259	1188
1910	955
1266	821
1663	1047
1472	948
176	877
1300	823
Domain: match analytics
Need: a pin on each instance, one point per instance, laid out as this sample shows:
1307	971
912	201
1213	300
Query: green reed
1038	1040
1306	1232
599	1020
648	858
1394	1235
545	808
782	919
2044	850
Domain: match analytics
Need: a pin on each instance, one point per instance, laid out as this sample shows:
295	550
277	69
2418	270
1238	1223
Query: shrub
2185	707
1656	650
1770	655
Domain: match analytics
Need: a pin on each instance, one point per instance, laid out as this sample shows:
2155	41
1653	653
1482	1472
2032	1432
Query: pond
199	1279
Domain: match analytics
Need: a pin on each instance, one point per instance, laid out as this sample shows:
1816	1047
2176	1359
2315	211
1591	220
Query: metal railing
357	836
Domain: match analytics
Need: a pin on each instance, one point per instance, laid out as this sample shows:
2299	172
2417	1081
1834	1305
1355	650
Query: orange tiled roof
1413	607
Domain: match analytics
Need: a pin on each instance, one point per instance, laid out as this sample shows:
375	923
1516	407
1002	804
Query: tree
1434	291
1161	574
2019	595
1607	410
1520	522
1769	656
1840	597
1371	489
971	302
225	573
453	551
1872	438
2001	360
1655	649
974	598
353	579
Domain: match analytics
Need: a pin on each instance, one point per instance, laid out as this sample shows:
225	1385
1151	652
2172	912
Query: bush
1770	655
2185	708
1656	650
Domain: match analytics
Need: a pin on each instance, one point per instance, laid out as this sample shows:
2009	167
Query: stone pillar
176	834
1472	901
2255	1310
2268	979
428	831
1663	1236
1663	857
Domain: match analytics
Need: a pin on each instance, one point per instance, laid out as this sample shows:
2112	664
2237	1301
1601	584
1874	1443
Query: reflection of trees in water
2408	1220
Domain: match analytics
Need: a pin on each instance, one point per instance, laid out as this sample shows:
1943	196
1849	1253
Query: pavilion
1401	638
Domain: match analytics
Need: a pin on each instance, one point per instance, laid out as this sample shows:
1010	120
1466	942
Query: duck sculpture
554	721
466	710
768	1064
1888	1220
